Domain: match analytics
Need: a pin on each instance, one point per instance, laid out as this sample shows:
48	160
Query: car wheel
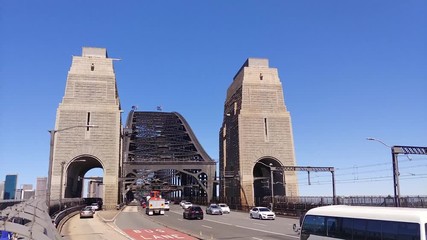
183	216
259	216
250	216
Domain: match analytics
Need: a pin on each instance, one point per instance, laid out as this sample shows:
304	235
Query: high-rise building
41	187
27	186
18	194
27	194
10	184
95	188
1	189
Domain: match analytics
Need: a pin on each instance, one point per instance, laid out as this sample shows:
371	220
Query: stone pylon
88	128
256	129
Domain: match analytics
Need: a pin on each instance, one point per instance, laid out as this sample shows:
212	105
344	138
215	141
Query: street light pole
60	185
52	148
272	185
270	166
49	175
396	186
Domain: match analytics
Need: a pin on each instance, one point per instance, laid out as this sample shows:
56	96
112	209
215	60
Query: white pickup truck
155	204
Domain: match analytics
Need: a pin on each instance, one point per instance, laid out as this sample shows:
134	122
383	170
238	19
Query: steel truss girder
207	168
410	150
160	141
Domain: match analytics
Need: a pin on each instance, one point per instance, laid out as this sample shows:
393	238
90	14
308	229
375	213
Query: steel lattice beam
308	169
411	150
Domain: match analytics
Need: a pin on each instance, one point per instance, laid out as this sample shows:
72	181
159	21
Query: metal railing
28	220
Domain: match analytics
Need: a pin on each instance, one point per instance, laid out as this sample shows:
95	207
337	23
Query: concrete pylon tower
256	138
88	127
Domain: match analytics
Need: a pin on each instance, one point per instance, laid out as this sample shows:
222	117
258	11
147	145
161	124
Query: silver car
87	212
213	209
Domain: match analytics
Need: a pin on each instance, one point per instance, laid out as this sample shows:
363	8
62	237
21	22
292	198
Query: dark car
193	212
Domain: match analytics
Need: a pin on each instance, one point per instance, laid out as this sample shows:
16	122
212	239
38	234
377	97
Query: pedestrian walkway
108	215
100	227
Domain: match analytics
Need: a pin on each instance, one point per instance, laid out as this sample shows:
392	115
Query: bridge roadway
133	223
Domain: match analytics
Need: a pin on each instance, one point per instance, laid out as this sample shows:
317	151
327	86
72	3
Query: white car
187	205
182	203
224	208
262	213
167	207
94	206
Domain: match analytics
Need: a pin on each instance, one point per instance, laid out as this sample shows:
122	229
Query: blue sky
349	69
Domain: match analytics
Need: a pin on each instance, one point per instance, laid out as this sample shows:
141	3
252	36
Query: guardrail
28	220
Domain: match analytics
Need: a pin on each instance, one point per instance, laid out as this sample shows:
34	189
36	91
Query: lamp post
61	185
270	166
52	145
394	152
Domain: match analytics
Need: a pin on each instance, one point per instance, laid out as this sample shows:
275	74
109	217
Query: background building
41	187
95	189
10	186
1	189
27	194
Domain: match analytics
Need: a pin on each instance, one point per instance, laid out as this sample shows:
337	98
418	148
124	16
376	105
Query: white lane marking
260	224
282	234
252	228
179	219
229	224
131	209
206	226
257	238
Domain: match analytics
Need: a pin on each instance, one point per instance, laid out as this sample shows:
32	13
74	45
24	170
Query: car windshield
223	205
214	206
264	210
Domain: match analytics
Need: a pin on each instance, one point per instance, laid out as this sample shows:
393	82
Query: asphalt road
236	225
133	223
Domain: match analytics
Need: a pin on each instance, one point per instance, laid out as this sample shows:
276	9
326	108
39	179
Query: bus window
359	229
373	230
331	227
408	231
313	225
389	230
346	228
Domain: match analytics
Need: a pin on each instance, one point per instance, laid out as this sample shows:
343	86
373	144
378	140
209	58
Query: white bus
364	223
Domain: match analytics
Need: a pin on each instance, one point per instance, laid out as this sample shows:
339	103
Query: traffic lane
281	224
136	224
90	229
226	227
133	217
